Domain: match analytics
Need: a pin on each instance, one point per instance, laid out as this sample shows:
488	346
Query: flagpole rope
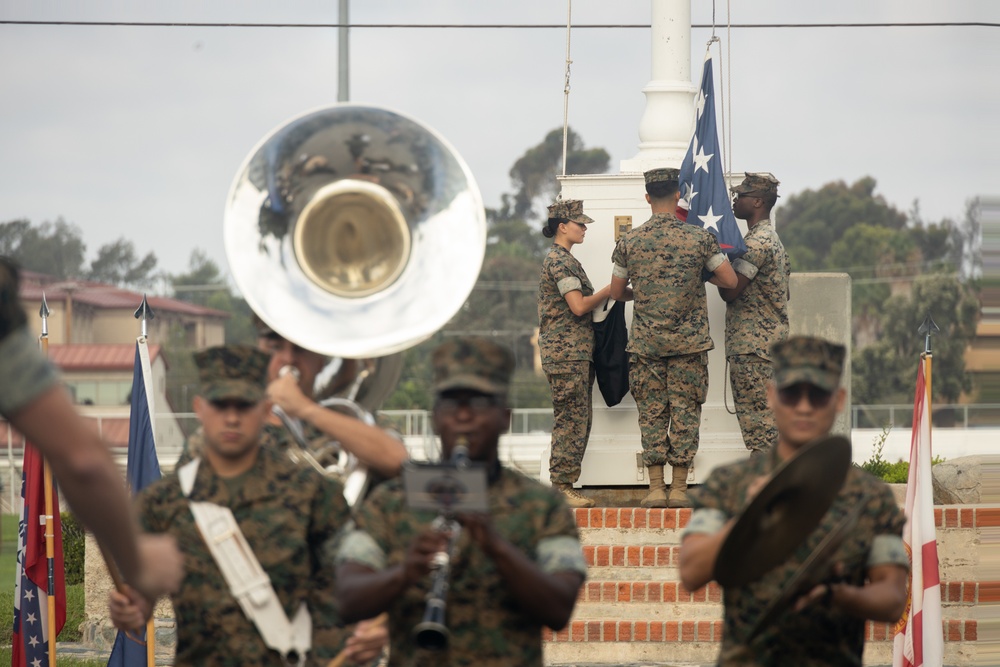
569	24
729	79
714	39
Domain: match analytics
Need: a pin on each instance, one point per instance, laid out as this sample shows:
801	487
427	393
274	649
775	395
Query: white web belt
247	580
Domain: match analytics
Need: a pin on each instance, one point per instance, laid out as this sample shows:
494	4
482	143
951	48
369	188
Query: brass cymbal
814	570
784	512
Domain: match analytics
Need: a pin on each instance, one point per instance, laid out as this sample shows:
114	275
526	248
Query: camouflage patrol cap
805	359
758	184
232	372
570	209
662	175
472	363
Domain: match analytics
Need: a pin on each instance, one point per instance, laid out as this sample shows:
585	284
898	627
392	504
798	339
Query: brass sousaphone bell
355	232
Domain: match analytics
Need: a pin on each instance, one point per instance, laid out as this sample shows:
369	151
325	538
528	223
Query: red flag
31	591
919	635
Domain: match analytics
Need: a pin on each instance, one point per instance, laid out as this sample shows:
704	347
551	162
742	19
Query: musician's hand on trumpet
284	391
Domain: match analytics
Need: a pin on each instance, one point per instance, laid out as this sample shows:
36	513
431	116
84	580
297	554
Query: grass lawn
5	659
8	549
8	571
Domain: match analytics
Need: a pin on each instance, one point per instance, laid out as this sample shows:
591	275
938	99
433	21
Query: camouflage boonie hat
232	372
805	359
758	184
570	209
472	363
662	175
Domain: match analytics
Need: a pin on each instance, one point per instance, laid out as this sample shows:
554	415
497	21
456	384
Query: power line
493	26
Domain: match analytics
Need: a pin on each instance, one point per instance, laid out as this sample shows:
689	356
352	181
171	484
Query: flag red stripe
932	575
918	633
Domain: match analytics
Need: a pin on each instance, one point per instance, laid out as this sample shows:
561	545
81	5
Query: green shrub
890	473
74	548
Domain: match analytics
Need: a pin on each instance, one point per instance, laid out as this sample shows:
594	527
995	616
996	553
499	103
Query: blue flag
143	469
704	196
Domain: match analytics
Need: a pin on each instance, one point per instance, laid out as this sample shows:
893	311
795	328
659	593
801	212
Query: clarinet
432	633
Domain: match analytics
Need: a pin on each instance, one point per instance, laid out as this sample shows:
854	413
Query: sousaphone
356	232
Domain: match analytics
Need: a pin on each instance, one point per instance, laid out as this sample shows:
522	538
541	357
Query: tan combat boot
678	489
573	497
657	496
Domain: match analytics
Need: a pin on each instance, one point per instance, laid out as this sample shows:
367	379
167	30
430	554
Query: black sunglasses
791	396
239	404
477	402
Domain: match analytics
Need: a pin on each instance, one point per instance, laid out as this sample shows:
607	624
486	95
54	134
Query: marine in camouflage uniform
669	340
823	632
566	344
757	310
289	514
510	568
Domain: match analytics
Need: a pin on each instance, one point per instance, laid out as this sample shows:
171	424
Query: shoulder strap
247	580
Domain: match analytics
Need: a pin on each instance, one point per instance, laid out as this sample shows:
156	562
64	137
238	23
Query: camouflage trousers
669	392
749	376
572	387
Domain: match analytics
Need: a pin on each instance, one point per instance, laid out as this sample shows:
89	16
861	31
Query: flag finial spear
144	313
43	312
928	329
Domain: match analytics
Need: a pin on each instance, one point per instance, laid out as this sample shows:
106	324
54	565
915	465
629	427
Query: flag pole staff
48	518
144	313
928	329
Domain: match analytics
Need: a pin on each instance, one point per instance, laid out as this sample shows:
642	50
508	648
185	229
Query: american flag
31	632
705	201
143	469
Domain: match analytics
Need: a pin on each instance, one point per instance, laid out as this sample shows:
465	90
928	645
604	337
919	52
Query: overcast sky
138	131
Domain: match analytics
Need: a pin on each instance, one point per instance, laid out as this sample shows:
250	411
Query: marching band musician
827	624
293	392
238	509
512	571
375	448
35	403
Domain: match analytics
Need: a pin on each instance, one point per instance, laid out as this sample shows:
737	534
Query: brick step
669	600
634	610
633	641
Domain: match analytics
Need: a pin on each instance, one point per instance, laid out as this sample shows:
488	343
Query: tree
885	371
534	173
205	285
117	264
55	248
504	301
810	222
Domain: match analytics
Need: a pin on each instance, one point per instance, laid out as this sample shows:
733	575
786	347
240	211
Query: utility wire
493	26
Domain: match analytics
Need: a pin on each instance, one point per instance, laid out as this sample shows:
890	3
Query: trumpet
432	633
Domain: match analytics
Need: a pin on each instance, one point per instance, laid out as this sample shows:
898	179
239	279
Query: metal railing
524	421
975	415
